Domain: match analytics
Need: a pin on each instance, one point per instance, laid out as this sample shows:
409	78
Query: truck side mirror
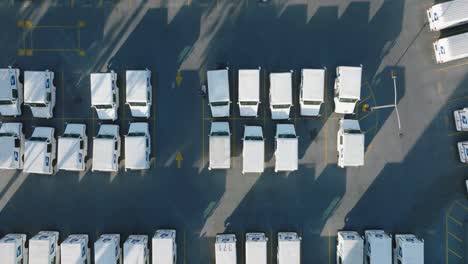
116	145
49	148
48	97
81	144
14	93
17	143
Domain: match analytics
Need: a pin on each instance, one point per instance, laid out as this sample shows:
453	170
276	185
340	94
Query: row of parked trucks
38	153
446	15
40	93
44	248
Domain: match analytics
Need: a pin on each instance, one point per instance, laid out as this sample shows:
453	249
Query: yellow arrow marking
179	159
178	78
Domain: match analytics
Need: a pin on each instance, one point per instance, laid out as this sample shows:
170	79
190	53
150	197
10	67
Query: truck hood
140	111
280	114
138	127
248	110
107	114
42	112
310	110
344	108
10	110
220	111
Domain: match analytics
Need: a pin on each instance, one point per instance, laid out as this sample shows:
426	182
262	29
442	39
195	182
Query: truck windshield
248	103
219	103
281	106
103	106
38	139
286	136
312	102
7	135
6	102
220	133
253	138
137	103
71	136
37	104
105	136
353	131
348	100
136	134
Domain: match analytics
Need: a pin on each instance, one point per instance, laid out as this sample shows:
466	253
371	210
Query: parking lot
409	183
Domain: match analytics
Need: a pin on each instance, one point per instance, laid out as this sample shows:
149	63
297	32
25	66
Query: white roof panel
381	247
8	252
137	85
225	249
281	88
286	154
253	156
35	86
163	249
7	145
5	83
39	251
35	157
350	82
453	47
448	14
313	84
135	152
70	253
256	252
353	149
218	85
220	151
69	155
289	252
134	253
105	252
249	85
101	88
103	154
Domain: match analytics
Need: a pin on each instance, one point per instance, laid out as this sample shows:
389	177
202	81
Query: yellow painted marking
329	248
457	99
455	237
21	52
28	24
455	253
20	23
454	220
453	66
185	258
29	52
271	247
178	78
461	205
203	132
179	159
81	23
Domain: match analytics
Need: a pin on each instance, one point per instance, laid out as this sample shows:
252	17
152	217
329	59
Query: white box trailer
461	119
164	247
73	148
349	248
39	93
136	250
139	92
463	151
74	250
11	146
451	48
289	248
44	249
350	145
225	249
347	89
378	247
218	92
280	95
408	249
137	147
107	249
312	94
220	146
286	149
105	95
11	92
40	151
447	14
256	248
249	92
13	249
253	152
106	149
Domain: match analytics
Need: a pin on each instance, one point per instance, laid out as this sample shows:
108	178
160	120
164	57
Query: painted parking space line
452	66
455	237
455	253
455	220
454	231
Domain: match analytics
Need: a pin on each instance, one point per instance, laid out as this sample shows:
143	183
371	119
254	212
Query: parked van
73	148
225	249
350	145
43	248
75	250
39	93
463	151
451	48
220	146
447	14
255	248
280	95
249	92
408	249
105	95
218	92
253	152
350	248
13	249
11	92
164	247
312	94
347	89
286	150
461	119
289	248
11	146
137	147
139	93
378	247
40	151
136	250
107	249
106	149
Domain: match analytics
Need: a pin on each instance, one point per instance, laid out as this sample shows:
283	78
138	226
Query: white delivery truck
105	95
253	153
289	248
75	250
137	147
107	249
136	250
164	247
461	119
378	247
286	149
463	151
312	94
40	151
349	248
106	149
255	248
225	249
408	249
280	95
451	48
218	92
43	248
347	89
249	92
220	146
39	93
72	148
447	14
350	145
11	146
11	92
13	249
139	93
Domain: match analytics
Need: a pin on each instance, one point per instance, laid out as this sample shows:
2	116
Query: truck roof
255	249
350	82
101	88
135	249
281	88
69	156
249	85
7	158
452	48
105	250
8	252
35	86
380	246
448	14
218	85
39	249
163	246
289	248
36	159
286	154
5	83
135	152
313	84
103	154
253	156
137	85
353	149
412	249
461	119
225	249
220	152
351	247
72	252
